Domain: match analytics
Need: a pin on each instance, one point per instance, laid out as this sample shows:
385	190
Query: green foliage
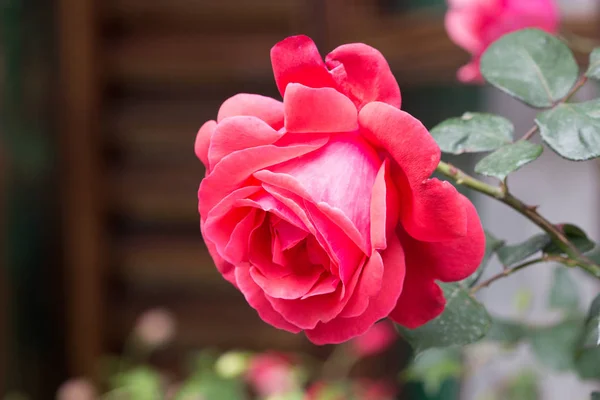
211	387
593	70
512	254
523	386
491	245
564	293
473	132
433	367
140	383
532	66
554	346
576	235
507	332
596	396
463	321
572	130
508	159
587	358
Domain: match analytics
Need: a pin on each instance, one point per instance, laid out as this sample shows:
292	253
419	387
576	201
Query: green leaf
491	245
576	235
473	132
595	395
463	321
564	293
555	346
508	332
433	367
572	130
508	159
593	70
588	352
512	254
140	383
532	66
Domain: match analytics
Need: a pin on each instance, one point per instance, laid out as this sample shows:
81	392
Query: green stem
501	194
505	273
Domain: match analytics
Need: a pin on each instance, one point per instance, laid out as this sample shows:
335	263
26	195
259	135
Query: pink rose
320	209
475	24
271	374
374	341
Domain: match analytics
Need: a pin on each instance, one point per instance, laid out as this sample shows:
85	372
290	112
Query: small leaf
555	346
593	71
508	159
512	254
463	321
532	66
491	245
564	294
572	130
508	332
473	132
576	235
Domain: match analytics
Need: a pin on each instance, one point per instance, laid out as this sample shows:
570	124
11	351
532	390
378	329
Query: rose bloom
320	209
374	341
475	24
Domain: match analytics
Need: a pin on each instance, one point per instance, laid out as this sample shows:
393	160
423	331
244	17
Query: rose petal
236	249
456	259
363	74
239	133
265	108
385	207
369	285
422	299
325	285
309	110
464	28
296	59
287	287
342	329
203	141
431	209
230	173
257	300
225	268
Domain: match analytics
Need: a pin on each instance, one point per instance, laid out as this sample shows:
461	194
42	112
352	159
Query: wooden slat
162	263
82	208
207	16
201	323
159	196
190	58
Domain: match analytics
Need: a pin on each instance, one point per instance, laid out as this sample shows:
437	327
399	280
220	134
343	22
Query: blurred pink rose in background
475	24
271	374
376	340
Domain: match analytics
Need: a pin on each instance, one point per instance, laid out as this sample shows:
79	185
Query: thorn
532	208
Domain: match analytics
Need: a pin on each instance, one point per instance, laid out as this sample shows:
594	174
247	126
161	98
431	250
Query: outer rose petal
256	298
385	207
463	27
230	173
239	133
226	269
363	74
297	59
341	329
203	141
470	73
431	210
421	299
265	108
456	259
318	110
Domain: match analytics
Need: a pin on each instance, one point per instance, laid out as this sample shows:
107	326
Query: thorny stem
575	258
509	271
